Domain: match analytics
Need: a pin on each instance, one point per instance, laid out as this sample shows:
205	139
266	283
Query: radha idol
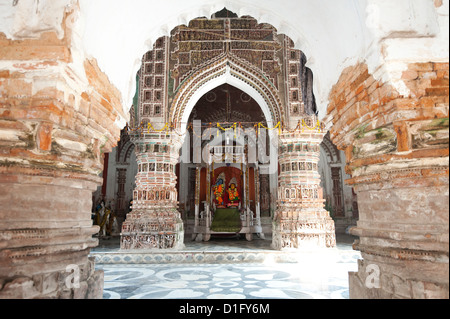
233	195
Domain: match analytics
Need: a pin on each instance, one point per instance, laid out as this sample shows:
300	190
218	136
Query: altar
226	189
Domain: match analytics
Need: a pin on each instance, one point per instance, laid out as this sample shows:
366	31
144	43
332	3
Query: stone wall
396	148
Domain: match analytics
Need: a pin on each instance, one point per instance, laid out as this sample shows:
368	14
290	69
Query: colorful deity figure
218	190
233	195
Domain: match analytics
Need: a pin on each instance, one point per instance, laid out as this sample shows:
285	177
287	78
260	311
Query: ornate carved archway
232	70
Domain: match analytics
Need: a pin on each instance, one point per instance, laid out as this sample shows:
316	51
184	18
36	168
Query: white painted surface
28	18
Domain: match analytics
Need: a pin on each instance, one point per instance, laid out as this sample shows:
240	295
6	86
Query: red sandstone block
18	88
14	125
360	79
440	82
85	96
423	83
350	103
340	106
432	113
339	97
405	104
4	74
13	113
348	153
360	89
410	75
427	102
44	136
442	74
52	104
374	106
35	52
383	158
437	91
373	87
385	100
330	108
363	97
107	105
427	66
84	108
440	66
349	116
403	136
363	108
369	81
349	93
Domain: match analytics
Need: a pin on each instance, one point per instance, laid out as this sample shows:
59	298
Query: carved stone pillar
154	222
54	128
301	220
397	154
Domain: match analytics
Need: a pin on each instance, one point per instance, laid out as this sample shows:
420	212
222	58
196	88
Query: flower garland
301	127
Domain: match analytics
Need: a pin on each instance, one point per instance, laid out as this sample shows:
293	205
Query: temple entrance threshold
226	249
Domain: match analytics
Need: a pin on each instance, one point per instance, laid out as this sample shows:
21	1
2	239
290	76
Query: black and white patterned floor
321	275
225	281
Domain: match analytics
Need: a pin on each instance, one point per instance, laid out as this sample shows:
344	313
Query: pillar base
154	230
79	280
46	236
300	231
385	277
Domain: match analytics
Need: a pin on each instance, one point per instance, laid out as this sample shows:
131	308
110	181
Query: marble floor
319	275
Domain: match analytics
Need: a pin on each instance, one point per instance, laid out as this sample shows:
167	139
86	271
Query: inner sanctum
222	190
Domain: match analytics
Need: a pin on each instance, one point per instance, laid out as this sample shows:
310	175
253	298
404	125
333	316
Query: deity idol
218	190
233	195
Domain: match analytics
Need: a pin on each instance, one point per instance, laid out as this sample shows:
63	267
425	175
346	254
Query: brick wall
396	148
360	105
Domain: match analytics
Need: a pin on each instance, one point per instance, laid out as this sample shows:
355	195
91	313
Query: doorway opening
222	195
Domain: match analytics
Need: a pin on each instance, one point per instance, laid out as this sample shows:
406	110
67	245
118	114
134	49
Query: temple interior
228	150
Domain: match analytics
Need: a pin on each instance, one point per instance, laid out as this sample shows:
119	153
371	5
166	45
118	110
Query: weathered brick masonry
396	149
55	125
